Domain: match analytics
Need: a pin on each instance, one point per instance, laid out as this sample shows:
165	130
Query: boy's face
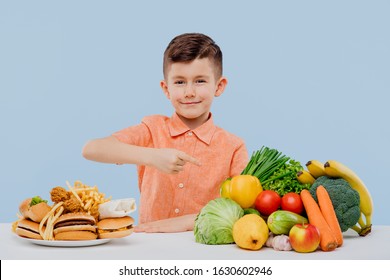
191	87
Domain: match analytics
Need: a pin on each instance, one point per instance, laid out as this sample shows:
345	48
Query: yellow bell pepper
243	189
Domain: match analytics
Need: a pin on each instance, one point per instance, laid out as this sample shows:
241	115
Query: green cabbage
214	223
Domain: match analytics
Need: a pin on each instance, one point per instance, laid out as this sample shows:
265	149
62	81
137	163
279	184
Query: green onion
264	162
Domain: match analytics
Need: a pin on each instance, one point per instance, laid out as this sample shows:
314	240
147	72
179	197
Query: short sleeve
239	161
138	135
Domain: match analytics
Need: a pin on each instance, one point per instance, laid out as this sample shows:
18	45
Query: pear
250	232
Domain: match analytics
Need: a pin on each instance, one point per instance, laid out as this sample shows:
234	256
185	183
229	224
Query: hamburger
28	229
75	226
34	208
115	227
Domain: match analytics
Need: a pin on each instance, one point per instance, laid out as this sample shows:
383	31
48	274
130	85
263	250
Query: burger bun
115	227
75	226
35	212
76	235
28	229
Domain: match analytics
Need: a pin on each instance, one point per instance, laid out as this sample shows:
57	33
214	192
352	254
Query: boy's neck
195	123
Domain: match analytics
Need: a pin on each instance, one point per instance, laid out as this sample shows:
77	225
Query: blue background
310	79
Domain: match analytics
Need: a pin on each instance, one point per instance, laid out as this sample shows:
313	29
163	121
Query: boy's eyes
181	82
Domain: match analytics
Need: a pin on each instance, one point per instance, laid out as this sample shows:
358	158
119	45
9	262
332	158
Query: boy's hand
171	160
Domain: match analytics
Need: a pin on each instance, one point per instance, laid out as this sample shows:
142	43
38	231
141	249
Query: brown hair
190	46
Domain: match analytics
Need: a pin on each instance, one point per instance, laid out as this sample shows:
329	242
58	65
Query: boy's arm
111	150
177	224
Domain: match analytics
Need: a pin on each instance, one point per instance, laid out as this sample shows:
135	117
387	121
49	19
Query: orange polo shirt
162	195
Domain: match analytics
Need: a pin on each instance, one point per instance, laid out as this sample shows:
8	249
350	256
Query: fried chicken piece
59	194
72	205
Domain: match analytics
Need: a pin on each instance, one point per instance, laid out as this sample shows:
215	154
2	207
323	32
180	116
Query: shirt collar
204	132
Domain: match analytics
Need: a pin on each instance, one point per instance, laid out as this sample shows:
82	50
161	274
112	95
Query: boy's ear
221	85
164	87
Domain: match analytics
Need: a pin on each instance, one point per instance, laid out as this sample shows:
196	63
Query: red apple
304	238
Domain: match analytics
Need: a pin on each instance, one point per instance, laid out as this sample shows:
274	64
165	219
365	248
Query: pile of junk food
78	212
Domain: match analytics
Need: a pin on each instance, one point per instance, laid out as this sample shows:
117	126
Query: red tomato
267	202
292	202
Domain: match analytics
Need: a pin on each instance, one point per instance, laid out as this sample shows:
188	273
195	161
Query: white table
182	246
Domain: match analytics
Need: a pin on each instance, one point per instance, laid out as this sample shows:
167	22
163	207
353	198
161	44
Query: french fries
89	197
50	218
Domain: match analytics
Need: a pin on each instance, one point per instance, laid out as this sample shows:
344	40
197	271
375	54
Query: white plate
59	243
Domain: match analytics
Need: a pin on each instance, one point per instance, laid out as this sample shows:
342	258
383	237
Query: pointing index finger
190	159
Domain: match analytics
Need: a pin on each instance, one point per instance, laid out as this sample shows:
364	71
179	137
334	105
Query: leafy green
36	200
214	223
284	180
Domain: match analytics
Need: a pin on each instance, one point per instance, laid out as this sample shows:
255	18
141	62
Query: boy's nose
190	91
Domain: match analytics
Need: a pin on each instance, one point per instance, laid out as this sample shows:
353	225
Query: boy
181	160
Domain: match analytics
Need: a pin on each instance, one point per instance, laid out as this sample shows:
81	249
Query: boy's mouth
191	103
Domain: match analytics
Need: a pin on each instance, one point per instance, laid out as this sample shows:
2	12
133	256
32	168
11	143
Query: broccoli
346	201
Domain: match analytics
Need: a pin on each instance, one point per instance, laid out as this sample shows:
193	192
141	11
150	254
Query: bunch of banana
338	170
314	170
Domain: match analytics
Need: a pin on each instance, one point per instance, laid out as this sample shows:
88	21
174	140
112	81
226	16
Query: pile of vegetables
275	171
271	203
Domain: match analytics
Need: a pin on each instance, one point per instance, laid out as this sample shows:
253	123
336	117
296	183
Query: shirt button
189	133
181	185
177	210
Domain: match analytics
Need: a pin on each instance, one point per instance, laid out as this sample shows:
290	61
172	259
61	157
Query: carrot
328	240
329	214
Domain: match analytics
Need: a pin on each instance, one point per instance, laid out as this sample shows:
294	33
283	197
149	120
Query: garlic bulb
281	243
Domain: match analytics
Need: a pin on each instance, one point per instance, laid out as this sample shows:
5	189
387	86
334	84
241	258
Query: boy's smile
191	87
